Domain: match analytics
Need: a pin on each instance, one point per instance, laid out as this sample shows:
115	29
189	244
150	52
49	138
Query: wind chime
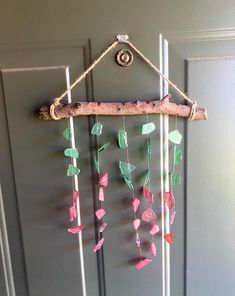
58	110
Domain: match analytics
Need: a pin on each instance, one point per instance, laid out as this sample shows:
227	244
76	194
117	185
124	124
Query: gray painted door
40	41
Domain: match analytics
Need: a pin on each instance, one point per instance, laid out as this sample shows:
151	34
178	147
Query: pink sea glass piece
76	229
142	263
137	240
169	237
172	218
101	194
153	249
104	179
136	224
99	245
135	204
148	195
75	196
72	213
100	213
148	215
169	199
102	227
154	229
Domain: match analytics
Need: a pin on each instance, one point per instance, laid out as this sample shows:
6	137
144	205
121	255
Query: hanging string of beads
72	171
149	214
102	183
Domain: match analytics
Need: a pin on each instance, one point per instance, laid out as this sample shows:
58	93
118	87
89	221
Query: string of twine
57	100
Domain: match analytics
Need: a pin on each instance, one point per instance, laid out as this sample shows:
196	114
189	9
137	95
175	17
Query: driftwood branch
125	108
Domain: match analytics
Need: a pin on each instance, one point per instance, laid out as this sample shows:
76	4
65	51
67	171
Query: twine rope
57	100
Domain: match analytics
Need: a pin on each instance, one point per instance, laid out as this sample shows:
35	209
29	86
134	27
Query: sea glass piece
135	204
142	263
148	128
71	152
72	170
175	137
128	182
146	178
67	134
104	180
72	213
103	147
75	196
149	148
148	215
99	245
137	240
169	199
136	224
97	129
172	218
177	155
153	249
102	227
97	164
126	168
175	179
148	195
100	213
76	229
154	229
122	139
169	237
101	194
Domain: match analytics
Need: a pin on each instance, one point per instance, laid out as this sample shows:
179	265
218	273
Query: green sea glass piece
72	170
148	128
103	147
71	152
175	137
146	178
67	134
177	155
122	139
175	179
128	182
126	168
97	164
97	129
149	148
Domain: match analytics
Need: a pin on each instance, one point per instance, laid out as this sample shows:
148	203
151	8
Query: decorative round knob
124	57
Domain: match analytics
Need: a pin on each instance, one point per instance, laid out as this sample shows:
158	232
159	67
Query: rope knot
55	103
193	110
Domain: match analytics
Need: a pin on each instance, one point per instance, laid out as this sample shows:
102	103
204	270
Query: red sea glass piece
169	237
148	215
169	199
101	194
72	213
76	229
172	218
142	263
154	229
153	249
148	195
100	213
135	204
102	227
99	245
104	180
136	224
137	240
75	196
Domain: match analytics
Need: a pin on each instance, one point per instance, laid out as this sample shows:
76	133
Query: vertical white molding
76	187
5	252
164	150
